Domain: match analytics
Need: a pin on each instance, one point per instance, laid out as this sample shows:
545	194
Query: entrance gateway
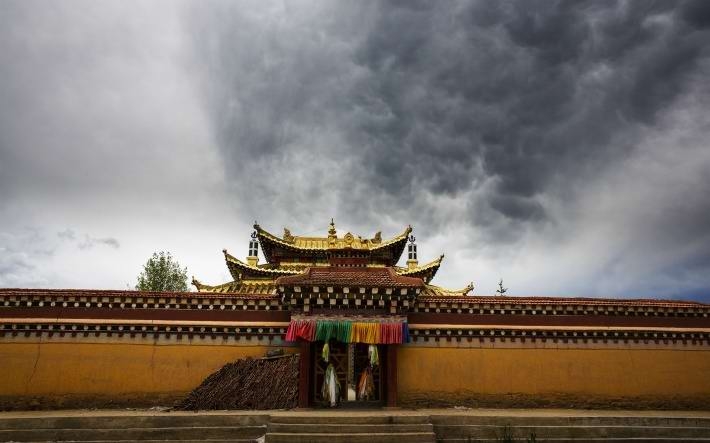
348	303
348	361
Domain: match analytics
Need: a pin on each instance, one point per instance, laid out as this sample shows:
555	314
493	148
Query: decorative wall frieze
601	307
392	300
137	300
573	335
10	328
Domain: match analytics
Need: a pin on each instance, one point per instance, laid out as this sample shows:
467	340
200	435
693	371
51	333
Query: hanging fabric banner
348	331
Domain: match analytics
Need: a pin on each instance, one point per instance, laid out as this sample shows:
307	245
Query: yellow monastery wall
146	372
431	375
111	369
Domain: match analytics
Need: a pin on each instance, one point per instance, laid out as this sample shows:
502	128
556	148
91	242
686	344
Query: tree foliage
162	273
501	290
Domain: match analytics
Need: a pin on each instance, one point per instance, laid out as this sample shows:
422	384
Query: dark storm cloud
540	91
440	98
496	118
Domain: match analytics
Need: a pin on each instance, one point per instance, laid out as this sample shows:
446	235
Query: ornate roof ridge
434	291
266	235
396	239
343	276
230	259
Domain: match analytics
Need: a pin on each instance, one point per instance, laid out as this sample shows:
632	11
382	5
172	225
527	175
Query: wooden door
339	359
348	361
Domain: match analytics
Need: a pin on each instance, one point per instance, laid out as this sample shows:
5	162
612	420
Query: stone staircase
578	428
144	428
366	426
376	428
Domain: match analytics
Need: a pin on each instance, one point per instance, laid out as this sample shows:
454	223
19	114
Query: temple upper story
293	255
349	249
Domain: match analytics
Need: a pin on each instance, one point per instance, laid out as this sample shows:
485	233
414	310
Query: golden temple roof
265	287
292	255
426	272
240	270
332	241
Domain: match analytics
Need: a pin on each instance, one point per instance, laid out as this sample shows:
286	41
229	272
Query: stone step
348	428
350	419
580	440
570	421
571	432
130	433
167	420
381	437
206	440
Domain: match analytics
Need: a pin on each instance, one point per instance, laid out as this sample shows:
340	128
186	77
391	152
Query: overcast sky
561	146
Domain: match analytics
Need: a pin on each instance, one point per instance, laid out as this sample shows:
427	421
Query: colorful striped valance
348	331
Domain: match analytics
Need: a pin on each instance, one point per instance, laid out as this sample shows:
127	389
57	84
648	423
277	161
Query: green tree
162	273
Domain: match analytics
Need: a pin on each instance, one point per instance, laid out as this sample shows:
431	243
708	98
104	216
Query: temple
346	295
370	328
328	257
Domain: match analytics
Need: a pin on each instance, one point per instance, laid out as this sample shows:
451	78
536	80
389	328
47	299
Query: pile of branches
267	383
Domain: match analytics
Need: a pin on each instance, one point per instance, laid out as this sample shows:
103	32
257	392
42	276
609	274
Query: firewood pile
266	383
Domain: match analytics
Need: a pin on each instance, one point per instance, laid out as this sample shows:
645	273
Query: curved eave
240	270
438	291
201	287
258	288
425	272
395	245
268	240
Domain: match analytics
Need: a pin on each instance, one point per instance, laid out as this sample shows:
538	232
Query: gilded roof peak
333	241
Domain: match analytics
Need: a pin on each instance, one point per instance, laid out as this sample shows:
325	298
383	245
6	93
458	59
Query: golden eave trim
263	234
257	269
444	292
432	267
394	240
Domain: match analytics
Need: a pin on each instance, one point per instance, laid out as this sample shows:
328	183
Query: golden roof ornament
468	288
349	239
377	239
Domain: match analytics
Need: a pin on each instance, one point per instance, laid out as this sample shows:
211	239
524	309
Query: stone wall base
550	400
88	401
